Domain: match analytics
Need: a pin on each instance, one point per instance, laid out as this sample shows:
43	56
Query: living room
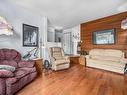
59	48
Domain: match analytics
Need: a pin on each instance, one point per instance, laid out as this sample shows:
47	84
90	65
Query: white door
67	42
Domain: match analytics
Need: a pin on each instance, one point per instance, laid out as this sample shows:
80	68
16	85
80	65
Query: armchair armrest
67	57
28	63
52	59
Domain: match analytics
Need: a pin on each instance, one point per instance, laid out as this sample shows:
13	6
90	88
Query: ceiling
68	13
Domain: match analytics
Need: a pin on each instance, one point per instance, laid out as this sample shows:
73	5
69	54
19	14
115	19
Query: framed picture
30	36
104	37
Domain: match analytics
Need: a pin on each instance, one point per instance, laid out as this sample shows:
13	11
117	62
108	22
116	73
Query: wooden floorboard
77	80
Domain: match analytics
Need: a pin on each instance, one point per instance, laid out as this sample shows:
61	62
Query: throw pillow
7	67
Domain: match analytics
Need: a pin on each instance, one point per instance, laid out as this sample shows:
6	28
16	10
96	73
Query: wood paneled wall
104	23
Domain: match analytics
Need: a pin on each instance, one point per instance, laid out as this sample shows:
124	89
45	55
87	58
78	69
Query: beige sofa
107	59
57	58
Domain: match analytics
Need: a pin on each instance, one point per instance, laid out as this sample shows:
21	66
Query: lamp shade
5	28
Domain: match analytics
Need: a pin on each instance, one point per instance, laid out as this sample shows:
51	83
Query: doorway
67	43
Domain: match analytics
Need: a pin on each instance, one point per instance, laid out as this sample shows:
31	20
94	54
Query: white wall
58	34
123	7
16	16
51	34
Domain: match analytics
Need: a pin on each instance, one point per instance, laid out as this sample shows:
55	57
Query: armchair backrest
56	52
10	54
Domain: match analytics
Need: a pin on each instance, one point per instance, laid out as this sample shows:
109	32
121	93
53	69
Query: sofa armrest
28	63
123	60
87	56
3	86
6	74
52	59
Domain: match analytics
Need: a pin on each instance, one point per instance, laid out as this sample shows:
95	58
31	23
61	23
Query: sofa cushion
56	52
61	61
113	53
98	57
9	54
98	52
110	58
29	70
11	80
6	73
9	62
24	63
106	58
106	52
21	72
2	86
56	49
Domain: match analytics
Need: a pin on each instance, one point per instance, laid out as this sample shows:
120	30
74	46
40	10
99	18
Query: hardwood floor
77	80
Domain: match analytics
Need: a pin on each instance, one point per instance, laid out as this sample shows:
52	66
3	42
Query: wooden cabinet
78	60
74	59
82	60
38	65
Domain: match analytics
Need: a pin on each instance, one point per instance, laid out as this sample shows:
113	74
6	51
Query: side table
82	60
74	59
38	65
